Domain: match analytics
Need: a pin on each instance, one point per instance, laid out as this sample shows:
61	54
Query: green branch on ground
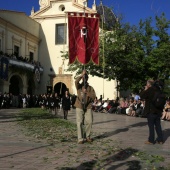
62	134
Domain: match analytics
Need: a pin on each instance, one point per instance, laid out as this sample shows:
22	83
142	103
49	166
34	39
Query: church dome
109	18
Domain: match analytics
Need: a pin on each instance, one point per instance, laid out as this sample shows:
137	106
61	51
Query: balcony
22	63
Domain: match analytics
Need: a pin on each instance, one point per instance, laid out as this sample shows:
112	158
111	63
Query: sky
132	10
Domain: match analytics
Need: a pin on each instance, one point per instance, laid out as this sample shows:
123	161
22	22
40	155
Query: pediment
59	8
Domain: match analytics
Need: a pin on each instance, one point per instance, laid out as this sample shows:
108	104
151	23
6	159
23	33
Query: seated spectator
113	106
98	105
139	108
166	111
130	111
121	109
94	104
103	106
136	97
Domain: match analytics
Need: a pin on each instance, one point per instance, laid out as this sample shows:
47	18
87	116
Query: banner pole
103	54
103	44
84	77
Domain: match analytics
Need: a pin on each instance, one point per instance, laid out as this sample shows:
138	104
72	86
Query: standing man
66	103
83	104
56	103
153	114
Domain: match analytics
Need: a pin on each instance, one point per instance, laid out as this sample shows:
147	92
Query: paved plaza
21	152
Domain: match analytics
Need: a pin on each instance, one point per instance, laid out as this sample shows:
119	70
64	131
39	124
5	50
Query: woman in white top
166	111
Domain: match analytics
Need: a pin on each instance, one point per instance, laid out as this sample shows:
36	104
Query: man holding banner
85	97
84	47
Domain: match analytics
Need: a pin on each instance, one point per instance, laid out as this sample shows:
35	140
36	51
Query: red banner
83	37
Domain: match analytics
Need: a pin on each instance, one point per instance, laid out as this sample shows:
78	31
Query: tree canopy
133	54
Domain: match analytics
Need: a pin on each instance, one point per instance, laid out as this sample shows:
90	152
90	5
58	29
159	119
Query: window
16	51
61	32
31	56
62	8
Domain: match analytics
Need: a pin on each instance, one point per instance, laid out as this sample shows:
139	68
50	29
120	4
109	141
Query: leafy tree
167	87
133	54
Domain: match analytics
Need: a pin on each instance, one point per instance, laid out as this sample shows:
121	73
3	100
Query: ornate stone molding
43	3
16	41
62	78
2	34
31	47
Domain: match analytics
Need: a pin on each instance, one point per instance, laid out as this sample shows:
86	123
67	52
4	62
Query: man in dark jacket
83	104
152	113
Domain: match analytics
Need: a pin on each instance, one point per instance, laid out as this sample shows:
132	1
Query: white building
43	37
19	35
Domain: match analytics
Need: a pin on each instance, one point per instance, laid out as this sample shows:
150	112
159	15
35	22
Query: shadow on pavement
103	122
16	118
166	134
108	134
119	158
4	156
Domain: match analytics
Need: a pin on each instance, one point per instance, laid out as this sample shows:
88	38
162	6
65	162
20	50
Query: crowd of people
128	106
133	106
51	102
21	58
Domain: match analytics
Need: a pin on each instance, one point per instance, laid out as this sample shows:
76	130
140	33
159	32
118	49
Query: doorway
16	85
60	89
31	87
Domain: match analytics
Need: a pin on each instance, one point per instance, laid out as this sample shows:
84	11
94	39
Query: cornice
59	75
17	12
2	21
41	11
50	16
8	25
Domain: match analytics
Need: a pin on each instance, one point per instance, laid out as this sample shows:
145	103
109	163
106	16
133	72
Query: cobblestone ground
116	139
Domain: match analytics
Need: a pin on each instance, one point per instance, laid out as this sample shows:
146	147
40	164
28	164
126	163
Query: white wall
50	55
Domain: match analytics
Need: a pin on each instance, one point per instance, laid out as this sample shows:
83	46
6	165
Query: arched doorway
31	87
16	85
60	88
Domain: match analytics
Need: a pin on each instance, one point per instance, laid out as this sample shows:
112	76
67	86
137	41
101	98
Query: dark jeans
121	110
154	123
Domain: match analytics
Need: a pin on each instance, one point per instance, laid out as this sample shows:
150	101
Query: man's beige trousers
87	117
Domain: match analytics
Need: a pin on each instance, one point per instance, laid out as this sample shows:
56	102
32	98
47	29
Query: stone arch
60	88
15	84
65	79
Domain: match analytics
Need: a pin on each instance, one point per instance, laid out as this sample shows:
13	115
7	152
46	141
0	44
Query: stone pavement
20	152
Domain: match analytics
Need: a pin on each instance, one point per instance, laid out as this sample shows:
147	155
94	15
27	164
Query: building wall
37	34
12	33
22	21
50	54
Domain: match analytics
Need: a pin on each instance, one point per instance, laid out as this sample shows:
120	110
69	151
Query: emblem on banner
83	38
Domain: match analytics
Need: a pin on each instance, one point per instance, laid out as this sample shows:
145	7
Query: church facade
44	36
